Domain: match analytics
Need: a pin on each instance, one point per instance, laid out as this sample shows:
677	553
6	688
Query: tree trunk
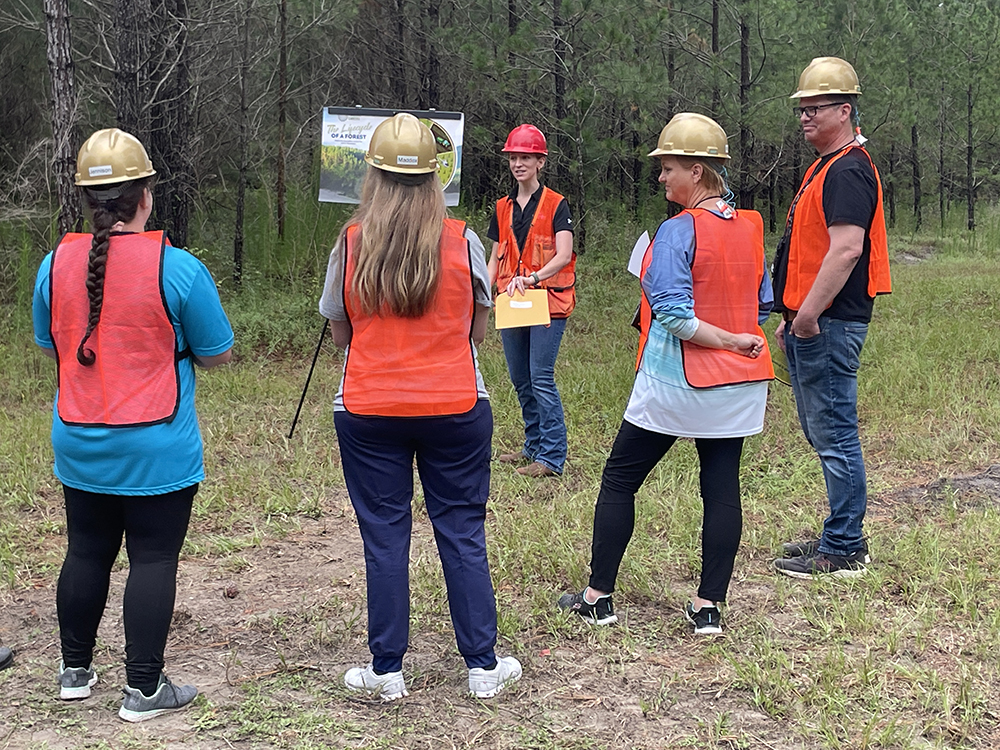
431	84
241	185
716	98
746	188
891	187
399	55
180	197
941	181
169	121
60	61
282	107
772	218
559	82
131	24
915	164
511	28
970	185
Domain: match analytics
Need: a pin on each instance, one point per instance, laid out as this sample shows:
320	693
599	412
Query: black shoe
823	565
601	612
810	548
6	657
706	621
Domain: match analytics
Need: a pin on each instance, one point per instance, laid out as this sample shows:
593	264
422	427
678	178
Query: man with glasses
830	265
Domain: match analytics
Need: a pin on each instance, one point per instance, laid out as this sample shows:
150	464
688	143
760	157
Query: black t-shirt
850	196
521	219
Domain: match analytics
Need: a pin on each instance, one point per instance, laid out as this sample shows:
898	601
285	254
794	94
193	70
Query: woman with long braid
126	316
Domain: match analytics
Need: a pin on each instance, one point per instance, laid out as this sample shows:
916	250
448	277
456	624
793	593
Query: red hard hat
525	139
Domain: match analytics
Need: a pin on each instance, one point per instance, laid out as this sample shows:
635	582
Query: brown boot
536	470
512	458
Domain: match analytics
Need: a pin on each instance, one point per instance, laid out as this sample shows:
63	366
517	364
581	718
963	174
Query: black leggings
154	527
636	451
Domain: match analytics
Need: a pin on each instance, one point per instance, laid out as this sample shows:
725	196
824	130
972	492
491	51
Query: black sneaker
810	548
706	621
822	565
601	612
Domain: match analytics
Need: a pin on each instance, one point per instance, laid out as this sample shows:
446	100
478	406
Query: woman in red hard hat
532	233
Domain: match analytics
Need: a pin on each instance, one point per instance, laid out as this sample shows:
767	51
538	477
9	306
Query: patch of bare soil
280	623
916	254
969	490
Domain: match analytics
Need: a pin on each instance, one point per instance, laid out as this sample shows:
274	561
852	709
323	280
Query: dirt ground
286	618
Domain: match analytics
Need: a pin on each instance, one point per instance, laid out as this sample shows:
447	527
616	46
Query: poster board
345	136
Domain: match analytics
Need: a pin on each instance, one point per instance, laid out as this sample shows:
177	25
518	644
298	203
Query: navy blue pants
453	460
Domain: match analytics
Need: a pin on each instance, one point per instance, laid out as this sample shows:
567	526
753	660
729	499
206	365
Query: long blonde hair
397	258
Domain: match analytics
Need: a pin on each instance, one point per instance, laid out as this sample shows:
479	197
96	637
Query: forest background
227	94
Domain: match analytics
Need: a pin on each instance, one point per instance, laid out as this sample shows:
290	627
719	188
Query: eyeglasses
810	112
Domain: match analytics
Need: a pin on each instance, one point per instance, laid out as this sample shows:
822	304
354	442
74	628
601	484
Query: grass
904	658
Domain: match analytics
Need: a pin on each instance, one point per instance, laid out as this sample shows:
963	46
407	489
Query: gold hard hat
690	134
827	75
109	156
403	144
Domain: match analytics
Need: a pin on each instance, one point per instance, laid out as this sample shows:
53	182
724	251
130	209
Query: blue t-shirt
159	458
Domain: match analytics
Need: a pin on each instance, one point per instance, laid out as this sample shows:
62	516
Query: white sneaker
388	686
485	683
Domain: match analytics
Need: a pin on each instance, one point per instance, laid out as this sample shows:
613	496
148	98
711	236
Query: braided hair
108	206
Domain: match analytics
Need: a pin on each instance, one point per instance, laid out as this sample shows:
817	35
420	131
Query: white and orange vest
415	367
810	240
726	275
539	249
134	381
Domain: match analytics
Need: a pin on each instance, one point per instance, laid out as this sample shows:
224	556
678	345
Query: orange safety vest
539	249
415	367
726	274
810	239
135	380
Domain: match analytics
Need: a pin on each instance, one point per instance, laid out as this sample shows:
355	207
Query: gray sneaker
810	548
75	682
168	697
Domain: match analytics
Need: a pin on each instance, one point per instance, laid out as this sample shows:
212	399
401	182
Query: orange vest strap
415	367
134	381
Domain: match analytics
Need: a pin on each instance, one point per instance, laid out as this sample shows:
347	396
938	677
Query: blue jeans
531	358
824	374
453	460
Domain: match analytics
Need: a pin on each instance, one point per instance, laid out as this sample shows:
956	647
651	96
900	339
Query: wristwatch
537	281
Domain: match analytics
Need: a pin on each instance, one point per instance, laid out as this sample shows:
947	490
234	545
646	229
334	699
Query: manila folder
529	309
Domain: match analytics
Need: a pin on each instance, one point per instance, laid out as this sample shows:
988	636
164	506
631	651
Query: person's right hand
779	335
748	344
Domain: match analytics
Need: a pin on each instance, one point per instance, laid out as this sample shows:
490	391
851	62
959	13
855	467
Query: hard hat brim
401	170
806	93
524	151
94	182
681	152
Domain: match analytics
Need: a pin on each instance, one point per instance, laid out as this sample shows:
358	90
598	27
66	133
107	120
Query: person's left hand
804	327
748	344
520	283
